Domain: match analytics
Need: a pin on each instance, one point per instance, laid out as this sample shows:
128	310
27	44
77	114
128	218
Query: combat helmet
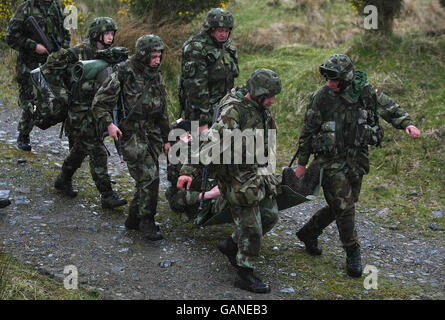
98	27
218	18
147	44
263	83
338	67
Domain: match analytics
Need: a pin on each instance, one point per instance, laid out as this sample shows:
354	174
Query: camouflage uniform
208	68
338	127
251	196
146	127
49	16
83	134
188	201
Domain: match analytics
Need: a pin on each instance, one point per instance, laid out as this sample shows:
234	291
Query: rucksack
54	82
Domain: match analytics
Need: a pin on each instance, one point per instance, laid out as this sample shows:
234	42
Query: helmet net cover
99	26
218	18
338	67
263	83
147	44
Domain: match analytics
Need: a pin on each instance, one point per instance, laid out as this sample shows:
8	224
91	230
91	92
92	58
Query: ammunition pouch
324	142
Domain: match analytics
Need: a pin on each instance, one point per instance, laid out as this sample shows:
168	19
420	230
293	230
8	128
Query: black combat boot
247	281
149	229
111	200
353	261
229	248
310	241
23	142
64	184
133	219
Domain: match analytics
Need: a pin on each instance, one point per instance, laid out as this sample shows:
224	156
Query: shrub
172	9
7	8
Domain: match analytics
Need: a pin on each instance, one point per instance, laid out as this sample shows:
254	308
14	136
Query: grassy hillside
408	66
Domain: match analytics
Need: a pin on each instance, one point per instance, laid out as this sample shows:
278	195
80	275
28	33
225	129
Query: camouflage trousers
251	223
143	165
25	102
341	188
80	147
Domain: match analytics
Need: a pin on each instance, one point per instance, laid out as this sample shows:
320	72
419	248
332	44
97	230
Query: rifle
116	123
293	159
205	171
39	36
181	96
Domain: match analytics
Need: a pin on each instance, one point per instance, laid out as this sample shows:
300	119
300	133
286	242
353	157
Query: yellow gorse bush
7	8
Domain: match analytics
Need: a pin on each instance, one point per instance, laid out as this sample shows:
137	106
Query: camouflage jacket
207	74
148	119
49	16
338	125
237	112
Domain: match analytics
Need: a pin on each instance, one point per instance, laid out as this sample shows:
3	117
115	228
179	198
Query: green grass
20	282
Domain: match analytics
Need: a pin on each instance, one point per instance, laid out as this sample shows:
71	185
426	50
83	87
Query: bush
172	9
387	11
7	9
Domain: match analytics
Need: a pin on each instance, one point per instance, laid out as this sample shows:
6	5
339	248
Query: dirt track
49	232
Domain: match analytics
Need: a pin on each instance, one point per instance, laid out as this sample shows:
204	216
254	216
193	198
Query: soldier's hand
40	49
299	171
167	147
113	131
182	180
413	131
212	194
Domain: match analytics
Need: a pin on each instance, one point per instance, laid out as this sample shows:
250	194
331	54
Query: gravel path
49	232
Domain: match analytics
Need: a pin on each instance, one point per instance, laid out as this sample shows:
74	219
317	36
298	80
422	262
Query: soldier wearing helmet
144	129
101	32
341	121
251	195
49	17
209	67
83	136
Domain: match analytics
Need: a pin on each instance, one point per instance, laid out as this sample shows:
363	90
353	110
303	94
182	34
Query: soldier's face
221	34
268	102
108	37
155	59
333	85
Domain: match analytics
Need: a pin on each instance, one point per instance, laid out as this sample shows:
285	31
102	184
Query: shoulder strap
138	102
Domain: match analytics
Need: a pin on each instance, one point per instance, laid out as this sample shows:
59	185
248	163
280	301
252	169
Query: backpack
55	81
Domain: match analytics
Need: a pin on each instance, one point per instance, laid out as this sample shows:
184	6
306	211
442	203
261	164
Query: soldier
83	135
49	17
144	130
189	201
341	120
209	67
251	196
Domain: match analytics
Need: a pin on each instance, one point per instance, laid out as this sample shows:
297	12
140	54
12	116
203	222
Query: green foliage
442	3
174	9
7	9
